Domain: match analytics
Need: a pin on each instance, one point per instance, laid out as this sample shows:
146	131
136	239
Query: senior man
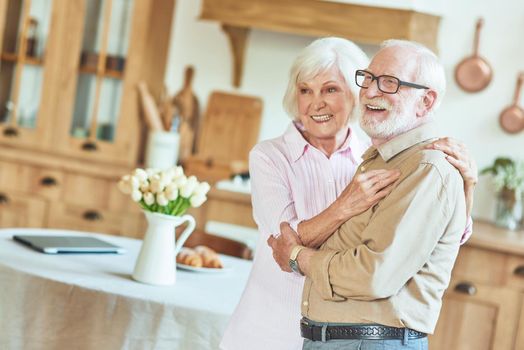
378	282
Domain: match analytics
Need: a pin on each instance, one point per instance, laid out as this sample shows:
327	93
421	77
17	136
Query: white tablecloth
89	301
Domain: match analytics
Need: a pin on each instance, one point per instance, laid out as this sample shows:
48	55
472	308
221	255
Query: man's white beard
395	124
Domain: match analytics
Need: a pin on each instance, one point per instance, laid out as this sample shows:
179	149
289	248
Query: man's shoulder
435	160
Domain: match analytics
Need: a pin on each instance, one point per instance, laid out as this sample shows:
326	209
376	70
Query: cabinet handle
89	146
519	271
466	288
10	132
4	199
209	162
92	215
48	181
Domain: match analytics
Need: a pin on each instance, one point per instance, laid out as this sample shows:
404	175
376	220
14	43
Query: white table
89	301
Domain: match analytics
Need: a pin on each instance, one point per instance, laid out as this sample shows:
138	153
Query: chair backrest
219	244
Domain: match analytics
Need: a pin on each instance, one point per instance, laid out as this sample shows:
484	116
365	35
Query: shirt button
363	168
305	303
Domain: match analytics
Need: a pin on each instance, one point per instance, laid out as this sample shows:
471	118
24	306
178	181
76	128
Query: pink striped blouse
291	181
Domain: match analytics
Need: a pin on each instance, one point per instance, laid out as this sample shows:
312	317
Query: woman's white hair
319	56
430	71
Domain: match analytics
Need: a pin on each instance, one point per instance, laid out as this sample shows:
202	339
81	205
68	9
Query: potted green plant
508	178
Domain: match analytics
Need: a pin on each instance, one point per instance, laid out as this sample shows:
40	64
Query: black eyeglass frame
373	78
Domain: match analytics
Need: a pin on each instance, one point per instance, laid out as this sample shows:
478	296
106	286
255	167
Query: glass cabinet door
23	38
101	71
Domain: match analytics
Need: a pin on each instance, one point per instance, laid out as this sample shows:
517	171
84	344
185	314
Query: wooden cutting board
229	130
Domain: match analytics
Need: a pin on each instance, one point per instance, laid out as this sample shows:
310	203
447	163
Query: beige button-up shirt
391	264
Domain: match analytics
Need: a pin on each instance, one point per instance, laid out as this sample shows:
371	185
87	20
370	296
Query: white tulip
140	174
135	182
151	171
124	185
136	195
202	189
161	199
187	190
181	181
144	186
149	198
171	192
178	172
156	186
197	201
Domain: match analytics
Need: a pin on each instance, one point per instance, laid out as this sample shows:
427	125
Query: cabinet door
28	63
17	210
520	333
113	45
477	317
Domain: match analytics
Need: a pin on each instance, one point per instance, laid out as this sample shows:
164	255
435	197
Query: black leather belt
368	332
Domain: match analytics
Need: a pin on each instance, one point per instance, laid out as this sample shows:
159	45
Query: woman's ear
426	103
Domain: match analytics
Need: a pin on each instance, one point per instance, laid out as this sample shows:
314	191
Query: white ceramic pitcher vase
156	261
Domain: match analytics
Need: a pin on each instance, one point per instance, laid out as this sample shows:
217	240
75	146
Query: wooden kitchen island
483	306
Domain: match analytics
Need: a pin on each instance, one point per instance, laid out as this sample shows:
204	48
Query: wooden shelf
12	57
108	73
363	24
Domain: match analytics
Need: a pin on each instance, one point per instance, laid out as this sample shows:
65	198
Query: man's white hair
319	56
430	71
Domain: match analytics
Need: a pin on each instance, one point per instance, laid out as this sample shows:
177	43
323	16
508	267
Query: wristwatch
293	262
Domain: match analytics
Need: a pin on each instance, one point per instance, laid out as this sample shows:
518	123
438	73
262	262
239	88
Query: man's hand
283	244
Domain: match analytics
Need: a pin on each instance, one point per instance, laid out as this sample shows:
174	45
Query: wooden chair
219	244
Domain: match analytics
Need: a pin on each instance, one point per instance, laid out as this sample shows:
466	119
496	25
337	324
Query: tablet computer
68	244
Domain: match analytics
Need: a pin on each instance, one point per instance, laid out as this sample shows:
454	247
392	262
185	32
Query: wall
472	118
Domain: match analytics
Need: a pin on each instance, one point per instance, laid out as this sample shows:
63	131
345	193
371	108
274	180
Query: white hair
430	71
319	56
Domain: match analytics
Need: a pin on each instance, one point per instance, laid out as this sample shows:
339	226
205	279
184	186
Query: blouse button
305	303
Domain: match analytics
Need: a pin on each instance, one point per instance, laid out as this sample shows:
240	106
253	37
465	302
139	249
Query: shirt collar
298	145
404	141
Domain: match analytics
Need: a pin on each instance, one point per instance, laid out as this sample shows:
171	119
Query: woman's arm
364	191
273	201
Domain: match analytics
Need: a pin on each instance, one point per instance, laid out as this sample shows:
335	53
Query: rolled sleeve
320	274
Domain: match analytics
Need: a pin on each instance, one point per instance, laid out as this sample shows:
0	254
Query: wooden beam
237	38
365	24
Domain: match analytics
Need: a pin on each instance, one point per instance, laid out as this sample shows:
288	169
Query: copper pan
512	118
474	73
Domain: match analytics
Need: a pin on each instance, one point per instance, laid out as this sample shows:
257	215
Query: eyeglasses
385	83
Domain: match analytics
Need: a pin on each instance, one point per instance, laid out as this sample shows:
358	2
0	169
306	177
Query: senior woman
304	177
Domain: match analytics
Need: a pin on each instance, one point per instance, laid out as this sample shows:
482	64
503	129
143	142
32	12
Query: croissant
188	256
209	257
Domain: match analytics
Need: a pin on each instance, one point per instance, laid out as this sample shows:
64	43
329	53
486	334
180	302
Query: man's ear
426	103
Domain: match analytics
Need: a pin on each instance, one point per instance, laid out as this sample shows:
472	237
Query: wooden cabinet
483	307
19	210
70	122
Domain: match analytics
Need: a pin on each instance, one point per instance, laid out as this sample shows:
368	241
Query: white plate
202	269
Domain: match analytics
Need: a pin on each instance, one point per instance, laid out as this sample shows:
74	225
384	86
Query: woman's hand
365	190
458	155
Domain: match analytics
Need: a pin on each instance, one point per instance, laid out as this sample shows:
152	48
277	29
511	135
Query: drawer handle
466	288
92	215
10	132
48	181
4	199
89	146
519	271
209	162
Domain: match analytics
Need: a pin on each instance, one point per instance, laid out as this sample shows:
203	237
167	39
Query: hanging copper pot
473	73
512	118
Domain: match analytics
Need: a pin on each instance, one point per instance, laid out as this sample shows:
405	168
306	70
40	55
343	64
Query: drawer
21	210
30	179
85	218
15	177
481	265
515	272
